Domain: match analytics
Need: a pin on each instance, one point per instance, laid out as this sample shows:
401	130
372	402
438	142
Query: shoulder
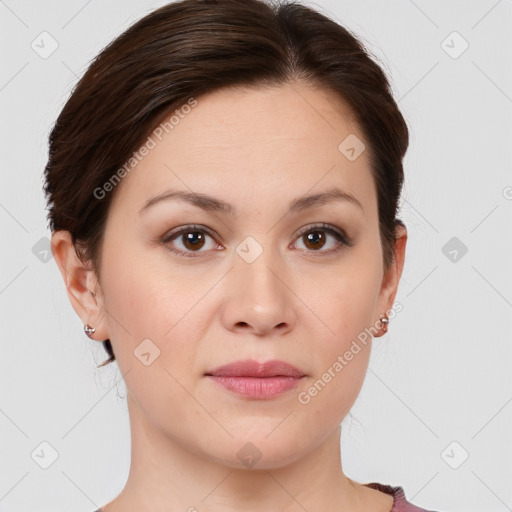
400	503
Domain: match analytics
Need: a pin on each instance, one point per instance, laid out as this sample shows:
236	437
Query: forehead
254	142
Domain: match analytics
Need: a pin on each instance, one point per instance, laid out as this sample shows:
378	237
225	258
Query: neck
165	475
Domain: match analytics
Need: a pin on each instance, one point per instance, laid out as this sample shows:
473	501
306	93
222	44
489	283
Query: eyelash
343	239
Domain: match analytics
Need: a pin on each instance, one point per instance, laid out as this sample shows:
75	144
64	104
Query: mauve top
400	504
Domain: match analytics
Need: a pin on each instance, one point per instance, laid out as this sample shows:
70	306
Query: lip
257	380
251	368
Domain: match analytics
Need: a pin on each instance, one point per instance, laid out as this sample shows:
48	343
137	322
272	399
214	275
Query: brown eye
193	240
314	240
189	240
317	237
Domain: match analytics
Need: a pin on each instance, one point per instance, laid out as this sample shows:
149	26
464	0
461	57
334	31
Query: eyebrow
212	204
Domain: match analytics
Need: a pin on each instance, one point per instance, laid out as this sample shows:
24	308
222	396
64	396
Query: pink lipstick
257	380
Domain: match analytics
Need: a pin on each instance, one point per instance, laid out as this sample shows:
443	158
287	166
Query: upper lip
251	368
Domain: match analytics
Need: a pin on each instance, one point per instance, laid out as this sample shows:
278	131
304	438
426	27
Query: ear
81	284
391	278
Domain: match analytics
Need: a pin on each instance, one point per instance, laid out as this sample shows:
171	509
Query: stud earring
385	321
89	330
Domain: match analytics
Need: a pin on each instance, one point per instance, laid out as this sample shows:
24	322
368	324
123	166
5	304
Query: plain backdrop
435	411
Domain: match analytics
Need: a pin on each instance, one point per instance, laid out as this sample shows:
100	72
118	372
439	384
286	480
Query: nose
259	300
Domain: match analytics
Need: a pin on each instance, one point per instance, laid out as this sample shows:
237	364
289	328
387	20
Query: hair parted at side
188	48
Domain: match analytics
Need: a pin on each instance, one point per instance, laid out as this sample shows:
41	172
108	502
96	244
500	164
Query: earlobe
81	283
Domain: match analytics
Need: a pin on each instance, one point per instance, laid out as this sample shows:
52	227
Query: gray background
441	375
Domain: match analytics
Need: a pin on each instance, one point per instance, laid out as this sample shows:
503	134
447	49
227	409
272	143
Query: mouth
256	380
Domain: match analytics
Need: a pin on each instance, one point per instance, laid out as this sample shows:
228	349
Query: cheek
137	290
145	301
342	358
346	301
151	322
346	305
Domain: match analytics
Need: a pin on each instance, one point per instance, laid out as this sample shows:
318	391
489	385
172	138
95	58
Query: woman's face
246	284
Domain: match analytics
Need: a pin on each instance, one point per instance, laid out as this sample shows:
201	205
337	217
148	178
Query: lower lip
257	387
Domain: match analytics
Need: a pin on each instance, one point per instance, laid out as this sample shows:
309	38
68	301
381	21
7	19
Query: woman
223	186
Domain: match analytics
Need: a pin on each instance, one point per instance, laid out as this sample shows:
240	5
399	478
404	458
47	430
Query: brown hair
190	47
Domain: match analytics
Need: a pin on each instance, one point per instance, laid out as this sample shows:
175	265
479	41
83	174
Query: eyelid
183	229
174	233
326	227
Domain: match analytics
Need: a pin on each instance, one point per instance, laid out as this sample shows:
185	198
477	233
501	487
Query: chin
258	451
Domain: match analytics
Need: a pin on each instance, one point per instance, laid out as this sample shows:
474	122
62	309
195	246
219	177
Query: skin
257	149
